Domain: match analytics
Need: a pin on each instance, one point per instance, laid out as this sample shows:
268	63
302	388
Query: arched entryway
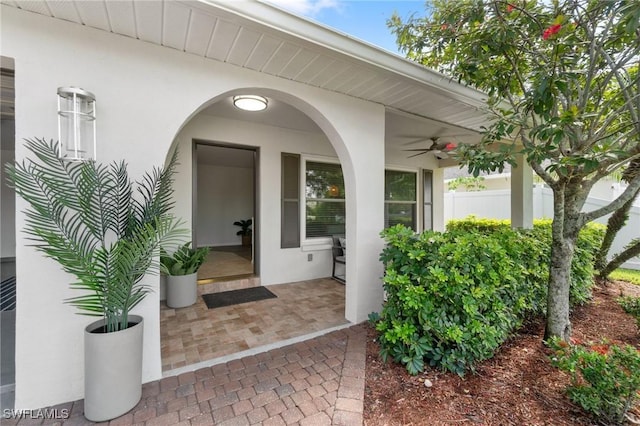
296	270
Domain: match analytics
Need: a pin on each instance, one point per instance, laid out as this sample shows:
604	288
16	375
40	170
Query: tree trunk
564	230
558	323
615	223
631	251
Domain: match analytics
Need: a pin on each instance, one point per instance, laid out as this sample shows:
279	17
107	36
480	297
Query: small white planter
182	290
112	370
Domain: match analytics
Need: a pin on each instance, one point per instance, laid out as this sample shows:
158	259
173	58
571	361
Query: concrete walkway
314	382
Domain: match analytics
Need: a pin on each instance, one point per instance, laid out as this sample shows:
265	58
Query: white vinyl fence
497	205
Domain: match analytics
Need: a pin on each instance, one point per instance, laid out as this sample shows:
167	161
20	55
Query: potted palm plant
181	269
106	231
245	231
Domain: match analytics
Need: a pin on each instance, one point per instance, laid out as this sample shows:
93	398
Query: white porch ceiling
261	37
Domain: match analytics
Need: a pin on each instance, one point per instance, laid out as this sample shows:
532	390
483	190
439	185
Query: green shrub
453	298
472	223
605	379
582	265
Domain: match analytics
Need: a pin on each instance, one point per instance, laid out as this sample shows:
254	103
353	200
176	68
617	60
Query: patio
196	334
314	382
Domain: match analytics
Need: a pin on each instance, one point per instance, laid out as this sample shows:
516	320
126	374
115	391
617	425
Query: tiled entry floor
195	334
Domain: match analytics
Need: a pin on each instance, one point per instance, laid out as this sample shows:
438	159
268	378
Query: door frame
255	235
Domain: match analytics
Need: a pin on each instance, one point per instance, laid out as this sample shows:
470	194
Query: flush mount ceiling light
250	102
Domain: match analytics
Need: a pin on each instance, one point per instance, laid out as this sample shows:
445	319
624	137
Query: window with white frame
325	211
400	198
324	199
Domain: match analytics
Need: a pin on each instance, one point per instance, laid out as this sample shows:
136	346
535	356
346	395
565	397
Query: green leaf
85	216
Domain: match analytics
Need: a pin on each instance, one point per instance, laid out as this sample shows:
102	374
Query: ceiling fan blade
414	136
432	142
439	149
441	135
415	141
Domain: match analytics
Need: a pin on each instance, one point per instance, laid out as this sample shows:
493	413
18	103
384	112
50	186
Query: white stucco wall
145	94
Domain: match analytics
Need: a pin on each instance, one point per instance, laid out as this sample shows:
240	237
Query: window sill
317	244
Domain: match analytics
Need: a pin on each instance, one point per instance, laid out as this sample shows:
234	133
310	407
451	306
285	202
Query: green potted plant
181	269
106	231
245	231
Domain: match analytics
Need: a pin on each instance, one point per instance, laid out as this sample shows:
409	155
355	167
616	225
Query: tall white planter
113	370
182	290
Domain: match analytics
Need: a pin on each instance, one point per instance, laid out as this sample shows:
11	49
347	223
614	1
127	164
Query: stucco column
364	179
521	194
364	269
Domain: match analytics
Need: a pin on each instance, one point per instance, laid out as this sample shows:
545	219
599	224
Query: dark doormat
235	297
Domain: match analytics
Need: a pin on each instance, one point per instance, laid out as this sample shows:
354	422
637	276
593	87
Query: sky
363	19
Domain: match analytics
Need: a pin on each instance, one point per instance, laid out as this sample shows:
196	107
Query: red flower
450	146
552	30
510	8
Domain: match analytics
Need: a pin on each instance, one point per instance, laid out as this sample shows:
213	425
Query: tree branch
629	193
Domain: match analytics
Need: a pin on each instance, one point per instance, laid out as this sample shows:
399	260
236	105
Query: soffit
266	39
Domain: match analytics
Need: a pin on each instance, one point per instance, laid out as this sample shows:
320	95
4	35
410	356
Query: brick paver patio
314	382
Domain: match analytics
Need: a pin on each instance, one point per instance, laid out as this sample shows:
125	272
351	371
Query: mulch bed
516	387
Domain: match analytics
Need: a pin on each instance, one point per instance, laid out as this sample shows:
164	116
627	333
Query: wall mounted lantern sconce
250	102
76	124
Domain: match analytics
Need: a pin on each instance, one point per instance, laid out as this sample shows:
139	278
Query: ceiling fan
440	149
